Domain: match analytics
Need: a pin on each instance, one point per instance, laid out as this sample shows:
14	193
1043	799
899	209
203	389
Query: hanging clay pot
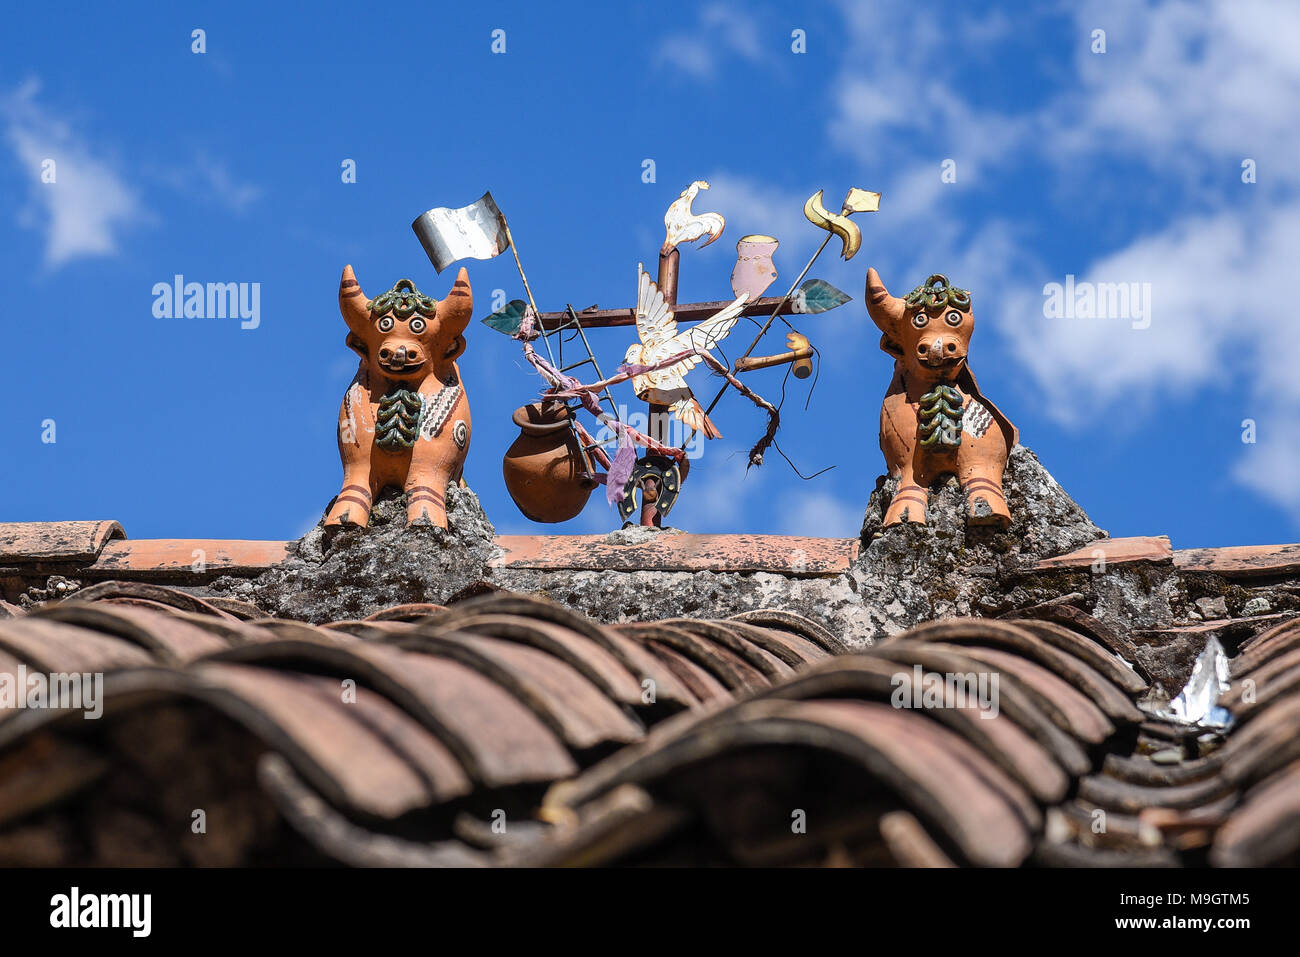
545	469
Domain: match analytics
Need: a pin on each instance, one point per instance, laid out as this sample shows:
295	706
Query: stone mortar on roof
904	574
356	571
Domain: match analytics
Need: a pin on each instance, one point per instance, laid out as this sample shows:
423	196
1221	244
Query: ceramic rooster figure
660	340
934	419
405	419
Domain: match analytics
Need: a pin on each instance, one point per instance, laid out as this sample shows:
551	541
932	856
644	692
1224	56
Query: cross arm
685	312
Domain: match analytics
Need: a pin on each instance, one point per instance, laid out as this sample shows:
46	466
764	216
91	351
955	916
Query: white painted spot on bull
436	410
976	419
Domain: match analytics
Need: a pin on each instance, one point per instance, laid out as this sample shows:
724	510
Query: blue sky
1116	166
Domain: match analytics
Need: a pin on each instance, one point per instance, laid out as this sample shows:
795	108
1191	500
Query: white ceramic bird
685	226
660	340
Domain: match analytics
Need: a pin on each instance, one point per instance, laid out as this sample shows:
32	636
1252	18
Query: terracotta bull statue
405	419
934	419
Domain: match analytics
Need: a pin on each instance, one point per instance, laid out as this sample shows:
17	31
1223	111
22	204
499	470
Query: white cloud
89	204
206	179
1270	467
218	184
1207	274
753	206
822	515
687	54
1208	331
1181	80
92	201
1188	88
722	31
716	492
892	100
1185	91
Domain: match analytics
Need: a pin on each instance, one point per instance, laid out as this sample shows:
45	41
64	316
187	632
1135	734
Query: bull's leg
980	468
908	503
898	443
352	506
426	502
986	505
435	461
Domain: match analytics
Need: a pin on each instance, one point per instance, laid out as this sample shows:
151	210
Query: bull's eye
920	319
386	324
954	318
417	325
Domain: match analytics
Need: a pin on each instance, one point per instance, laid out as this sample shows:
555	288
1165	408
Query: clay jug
545	469
754	270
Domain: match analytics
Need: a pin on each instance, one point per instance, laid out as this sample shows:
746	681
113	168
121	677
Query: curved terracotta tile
57	647
163	559
1026	644
364	755
791	622
566	701
499	740
27	542
166	637
585	656
1265	829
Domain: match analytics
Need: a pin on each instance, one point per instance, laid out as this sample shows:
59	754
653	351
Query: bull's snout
402	355
938	350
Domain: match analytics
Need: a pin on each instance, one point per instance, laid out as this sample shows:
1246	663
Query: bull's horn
352	301
455	311
885	310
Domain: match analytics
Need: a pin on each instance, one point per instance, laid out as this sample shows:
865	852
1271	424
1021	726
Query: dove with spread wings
660	340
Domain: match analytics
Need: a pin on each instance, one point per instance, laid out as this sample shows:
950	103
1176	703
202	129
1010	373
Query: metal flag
861	201
476	231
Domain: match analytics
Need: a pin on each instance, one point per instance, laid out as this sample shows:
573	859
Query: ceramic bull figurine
405	419
934	419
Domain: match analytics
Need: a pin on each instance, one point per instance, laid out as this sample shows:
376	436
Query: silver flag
476	231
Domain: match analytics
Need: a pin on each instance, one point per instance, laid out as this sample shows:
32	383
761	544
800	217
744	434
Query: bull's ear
886	311
352	302
455	311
